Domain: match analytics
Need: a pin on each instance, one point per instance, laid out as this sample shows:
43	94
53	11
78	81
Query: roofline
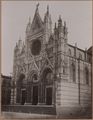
4	76
78	48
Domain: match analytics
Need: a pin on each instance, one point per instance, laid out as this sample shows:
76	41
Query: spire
65	28
55	28
28	25
60	21
16	47
64	23
37	7
47	9
37	22
60	17
47	17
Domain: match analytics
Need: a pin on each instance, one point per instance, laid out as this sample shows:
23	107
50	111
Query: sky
15	16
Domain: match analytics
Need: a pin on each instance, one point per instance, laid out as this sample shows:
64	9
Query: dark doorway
35	95
49	96
23	97
20	85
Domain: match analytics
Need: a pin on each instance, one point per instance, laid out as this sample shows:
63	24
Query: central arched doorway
23	96
35	95
35	89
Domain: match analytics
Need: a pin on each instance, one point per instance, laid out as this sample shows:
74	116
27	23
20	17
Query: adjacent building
5	89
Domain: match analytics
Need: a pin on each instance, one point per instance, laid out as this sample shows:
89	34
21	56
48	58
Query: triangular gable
46	63
37	23
33	67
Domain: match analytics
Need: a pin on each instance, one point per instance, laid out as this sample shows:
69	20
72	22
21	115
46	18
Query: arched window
80	56
47	75
87	75
64	69
73	72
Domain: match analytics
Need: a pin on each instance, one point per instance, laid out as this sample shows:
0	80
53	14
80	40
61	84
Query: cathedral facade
47	70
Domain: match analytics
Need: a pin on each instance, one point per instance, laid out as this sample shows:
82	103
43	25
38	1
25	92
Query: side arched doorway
21	90
35	95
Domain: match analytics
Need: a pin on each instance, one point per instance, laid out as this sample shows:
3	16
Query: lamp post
13	89
79	80
13	85
56	80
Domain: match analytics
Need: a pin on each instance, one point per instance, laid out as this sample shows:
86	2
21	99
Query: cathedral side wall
85	95
69	94
71	98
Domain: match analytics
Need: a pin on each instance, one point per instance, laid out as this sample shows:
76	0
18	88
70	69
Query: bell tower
60	33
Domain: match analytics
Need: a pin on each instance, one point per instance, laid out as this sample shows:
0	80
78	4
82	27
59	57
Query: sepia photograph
46	59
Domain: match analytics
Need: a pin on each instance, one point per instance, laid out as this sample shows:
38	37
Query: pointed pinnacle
55	24
47	8
64	23
59	17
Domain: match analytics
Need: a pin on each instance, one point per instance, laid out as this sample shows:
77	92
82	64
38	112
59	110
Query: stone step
30	109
